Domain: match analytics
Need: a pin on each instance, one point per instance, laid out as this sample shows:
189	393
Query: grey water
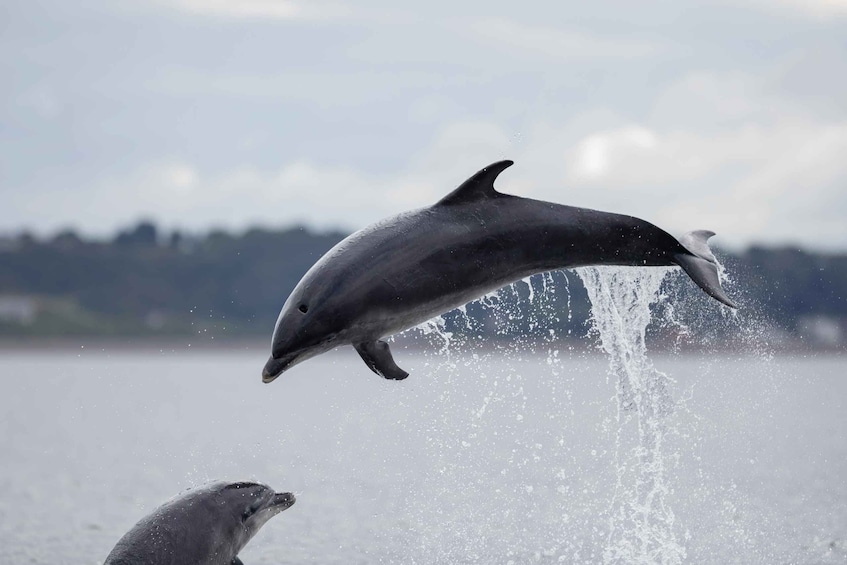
472	459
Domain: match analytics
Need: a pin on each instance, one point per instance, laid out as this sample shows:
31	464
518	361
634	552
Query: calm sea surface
475	458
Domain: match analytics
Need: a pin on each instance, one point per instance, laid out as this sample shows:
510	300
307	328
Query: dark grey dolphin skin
205	526
404	270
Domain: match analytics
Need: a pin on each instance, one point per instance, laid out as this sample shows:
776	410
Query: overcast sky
726	115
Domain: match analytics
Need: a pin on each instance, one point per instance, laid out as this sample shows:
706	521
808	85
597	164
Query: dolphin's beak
282	501
274	503
274	368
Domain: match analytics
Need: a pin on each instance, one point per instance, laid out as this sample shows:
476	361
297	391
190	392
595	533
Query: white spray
641	523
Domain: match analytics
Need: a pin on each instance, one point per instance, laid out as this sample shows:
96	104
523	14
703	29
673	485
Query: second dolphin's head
248	506
209	524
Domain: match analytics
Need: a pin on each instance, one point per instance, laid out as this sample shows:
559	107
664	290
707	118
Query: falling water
640	523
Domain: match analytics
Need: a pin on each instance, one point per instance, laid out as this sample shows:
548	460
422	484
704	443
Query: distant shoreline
261	346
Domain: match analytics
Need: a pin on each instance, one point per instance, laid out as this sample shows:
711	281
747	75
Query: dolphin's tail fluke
700	264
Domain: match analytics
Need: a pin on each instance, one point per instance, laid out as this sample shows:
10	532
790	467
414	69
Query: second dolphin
207	525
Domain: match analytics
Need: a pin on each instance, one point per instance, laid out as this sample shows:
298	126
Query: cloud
749	184
338	89
709	100
180	177
177	194
794	192
42	101
598	154
637	155
782	182
558	43
768	177
262	9
816	9
643	110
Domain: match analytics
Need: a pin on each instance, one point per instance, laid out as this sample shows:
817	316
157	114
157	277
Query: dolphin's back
178	532
413	266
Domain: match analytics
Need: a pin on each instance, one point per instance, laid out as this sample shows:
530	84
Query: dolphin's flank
404	270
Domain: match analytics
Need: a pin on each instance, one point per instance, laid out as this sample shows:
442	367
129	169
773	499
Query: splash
634	523
641	522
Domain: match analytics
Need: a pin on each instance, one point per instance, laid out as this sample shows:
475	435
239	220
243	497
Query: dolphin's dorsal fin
479	186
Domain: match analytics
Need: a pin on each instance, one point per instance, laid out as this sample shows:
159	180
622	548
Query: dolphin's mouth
275	367
270	504
282	501
276	502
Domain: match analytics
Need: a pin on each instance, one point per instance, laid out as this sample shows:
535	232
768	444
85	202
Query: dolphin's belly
438	283
396	317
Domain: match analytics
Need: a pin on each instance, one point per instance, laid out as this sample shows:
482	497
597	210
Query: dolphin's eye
303	308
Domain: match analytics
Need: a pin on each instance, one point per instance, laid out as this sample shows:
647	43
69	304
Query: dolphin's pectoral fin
236	561
377	356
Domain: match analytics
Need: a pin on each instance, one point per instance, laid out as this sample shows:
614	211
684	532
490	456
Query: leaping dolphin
404	270
207	525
